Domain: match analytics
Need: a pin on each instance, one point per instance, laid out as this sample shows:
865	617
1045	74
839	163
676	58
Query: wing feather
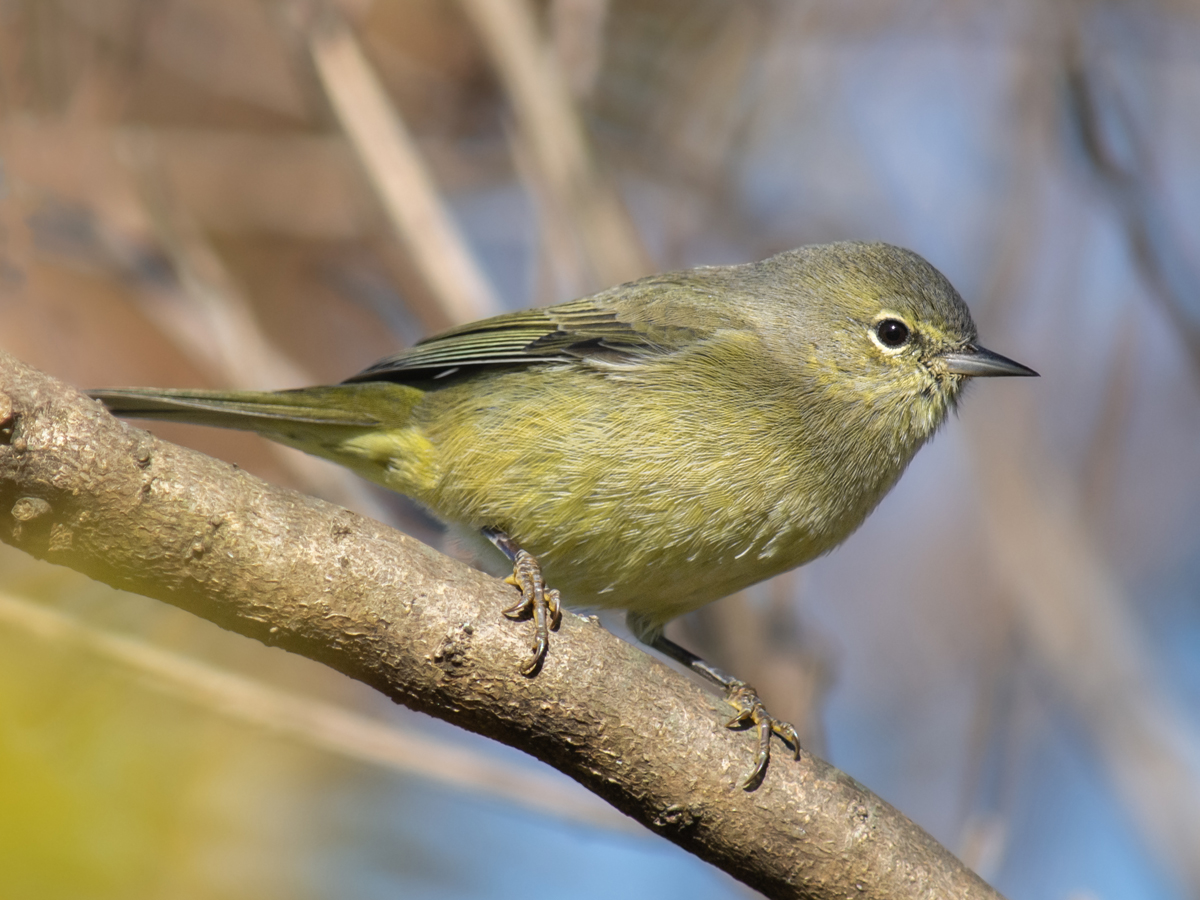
608	326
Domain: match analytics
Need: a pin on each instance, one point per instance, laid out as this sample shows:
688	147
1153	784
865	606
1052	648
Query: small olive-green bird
655	446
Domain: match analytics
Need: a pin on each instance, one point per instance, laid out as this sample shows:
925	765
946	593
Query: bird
655	446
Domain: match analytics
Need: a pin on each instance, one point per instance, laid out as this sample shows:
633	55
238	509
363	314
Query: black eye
892	333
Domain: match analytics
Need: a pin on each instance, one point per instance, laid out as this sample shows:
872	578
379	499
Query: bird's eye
892	333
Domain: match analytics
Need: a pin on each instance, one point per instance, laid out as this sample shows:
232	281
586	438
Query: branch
81	489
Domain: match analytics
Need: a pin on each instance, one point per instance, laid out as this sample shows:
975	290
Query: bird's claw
542	605
751	712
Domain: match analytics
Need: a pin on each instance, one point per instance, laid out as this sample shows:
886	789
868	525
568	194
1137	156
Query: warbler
655	446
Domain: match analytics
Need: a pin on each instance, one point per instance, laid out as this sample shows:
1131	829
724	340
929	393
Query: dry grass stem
205	313
394	166
321	725
553	132
1070	604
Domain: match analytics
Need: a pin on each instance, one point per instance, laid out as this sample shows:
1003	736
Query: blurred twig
394	166
577	198
1119	155
561	271
1068	601
318	724
1076	616
207	317
986	807
577	32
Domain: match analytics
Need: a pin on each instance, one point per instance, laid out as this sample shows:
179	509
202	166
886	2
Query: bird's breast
653	494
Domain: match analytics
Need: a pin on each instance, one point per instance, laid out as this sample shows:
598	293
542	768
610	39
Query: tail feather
346	406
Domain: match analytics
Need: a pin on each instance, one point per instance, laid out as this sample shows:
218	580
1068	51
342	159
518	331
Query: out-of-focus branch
572	191
84	490
1119	156
1070	606
1067	599
577	35
318	724
204	312
394	166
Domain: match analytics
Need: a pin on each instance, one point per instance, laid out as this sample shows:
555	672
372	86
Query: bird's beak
976	361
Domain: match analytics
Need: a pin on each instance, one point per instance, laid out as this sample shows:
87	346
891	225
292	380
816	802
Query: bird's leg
543	606
741	696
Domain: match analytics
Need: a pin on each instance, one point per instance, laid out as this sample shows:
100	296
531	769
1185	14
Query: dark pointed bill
977	361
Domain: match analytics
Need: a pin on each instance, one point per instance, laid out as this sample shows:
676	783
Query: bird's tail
280	413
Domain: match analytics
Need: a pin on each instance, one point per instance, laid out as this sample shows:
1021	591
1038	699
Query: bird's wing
633	321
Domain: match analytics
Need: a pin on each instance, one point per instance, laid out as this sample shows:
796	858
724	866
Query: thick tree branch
81	489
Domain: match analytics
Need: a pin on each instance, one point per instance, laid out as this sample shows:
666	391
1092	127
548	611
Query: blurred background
268	194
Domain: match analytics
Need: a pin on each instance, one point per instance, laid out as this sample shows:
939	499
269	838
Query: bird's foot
751	712
542	605
742	697
537	602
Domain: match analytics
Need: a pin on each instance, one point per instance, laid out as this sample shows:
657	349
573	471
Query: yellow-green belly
624	504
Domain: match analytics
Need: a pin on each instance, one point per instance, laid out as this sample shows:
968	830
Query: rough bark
81	489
